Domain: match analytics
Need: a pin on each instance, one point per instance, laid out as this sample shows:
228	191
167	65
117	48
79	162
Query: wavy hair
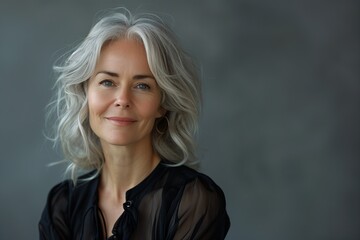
173	136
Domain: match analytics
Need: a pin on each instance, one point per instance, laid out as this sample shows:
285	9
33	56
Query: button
127	204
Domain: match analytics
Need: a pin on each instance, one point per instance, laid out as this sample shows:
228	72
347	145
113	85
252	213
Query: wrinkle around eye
143	86
107	83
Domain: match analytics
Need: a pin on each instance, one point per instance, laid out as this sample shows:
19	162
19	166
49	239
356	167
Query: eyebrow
112	74
136	77
139	77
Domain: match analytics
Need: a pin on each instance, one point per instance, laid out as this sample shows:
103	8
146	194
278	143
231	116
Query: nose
123	97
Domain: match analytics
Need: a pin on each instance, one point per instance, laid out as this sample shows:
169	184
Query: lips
121	121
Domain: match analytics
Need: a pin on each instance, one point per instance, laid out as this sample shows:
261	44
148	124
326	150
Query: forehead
123	53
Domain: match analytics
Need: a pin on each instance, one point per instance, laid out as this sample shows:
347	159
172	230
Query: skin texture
124	102
123	87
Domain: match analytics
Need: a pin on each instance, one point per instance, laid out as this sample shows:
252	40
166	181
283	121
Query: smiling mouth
121	121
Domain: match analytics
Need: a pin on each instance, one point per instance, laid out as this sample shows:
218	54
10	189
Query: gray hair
173	135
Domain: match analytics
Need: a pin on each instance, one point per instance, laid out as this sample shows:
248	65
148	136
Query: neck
125	167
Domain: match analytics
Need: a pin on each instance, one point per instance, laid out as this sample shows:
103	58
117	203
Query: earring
165	126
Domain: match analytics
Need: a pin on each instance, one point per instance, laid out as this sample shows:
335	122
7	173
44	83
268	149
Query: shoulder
192	178
195	185
55	213
201	206
66	204
64	190
62	196
59	194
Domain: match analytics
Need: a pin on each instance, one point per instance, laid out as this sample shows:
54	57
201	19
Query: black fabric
171	203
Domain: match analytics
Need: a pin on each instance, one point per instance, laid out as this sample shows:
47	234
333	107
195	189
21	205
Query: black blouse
171	203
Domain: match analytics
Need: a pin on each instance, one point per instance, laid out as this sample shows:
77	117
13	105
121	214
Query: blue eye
143	86
107	83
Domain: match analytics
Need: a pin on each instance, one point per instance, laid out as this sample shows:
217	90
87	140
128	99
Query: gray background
280	126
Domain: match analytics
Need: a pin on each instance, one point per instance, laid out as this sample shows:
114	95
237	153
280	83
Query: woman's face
123	96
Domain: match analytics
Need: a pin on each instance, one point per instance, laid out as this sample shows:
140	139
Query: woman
127	107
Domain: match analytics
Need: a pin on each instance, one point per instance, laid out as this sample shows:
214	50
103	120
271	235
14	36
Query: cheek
96	104
151	109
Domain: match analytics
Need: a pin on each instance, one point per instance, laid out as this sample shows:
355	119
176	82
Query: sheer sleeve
53	224
202	212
